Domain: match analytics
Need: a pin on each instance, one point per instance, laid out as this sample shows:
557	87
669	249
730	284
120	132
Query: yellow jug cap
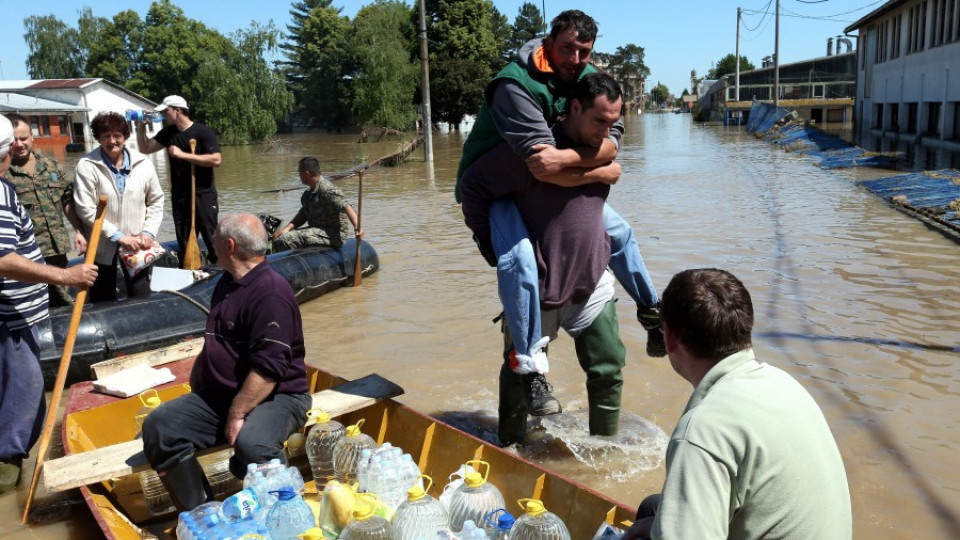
319	415
354	430
366	506
533	507
153	402
418	492
313	533
474	479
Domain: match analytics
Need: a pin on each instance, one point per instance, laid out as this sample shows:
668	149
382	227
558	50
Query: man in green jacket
752	456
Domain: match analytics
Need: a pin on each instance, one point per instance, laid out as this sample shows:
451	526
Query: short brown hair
109	121
17	119
710	311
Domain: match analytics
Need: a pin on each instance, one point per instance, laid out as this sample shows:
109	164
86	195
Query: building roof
56	84
869	17
13	102
61	83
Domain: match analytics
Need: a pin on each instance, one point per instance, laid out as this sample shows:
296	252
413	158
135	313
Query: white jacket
139	209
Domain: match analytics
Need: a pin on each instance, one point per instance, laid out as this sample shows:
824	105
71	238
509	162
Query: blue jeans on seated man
518	281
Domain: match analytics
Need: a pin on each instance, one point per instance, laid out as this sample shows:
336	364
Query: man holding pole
23	303
175	137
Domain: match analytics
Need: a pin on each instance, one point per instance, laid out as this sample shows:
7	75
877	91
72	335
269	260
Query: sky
677	38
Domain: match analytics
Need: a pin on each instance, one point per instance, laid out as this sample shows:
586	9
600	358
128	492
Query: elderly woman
134	204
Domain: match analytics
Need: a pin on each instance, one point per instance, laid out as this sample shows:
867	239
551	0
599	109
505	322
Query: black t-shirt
180	169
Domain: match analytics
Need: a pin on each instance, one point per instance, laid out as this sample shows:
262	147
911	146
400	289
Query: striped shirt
21	304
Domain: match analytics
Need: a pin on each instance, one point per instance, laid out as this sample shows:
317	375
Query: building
908	77
60	110
633	85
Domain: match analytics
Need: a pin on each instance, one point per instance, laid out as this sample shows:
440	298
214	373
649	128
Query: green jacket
42	196
542	88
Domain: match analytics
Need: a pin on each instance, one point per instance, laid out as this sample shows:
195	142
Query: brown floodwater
854	299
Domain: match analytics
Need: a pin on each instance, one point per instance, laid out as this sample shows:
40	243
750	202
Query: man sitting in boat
752	456
323	209
566	227
248	385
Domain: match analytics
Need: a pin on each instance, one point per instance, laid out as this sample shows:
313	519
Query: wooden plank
127	458
158	357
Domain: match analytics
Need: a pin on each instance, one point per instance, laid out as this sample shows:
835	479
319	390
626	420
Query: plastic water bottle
198	521
150	400
538	524
456	480
472	532
420	516
243	504
475	498
290	517
366	525
321	441
139	115
346	454
501	521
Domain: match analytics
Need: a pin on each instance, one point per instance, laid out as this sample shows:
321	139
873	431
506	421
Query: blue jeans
22	404
518	281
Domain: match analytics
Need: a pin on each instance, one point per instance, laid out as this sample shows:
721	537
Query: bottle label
247	504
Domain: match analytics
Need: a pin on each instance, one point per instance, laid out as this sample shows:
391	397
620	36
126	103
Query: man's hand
287	228
546	159
359	234
79	242
175	152
81	275
130	242
232	429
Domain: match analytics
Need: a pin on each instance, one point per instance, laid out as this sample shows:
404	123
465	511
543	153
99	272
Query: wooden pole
425	86
191	253
358	266
54	406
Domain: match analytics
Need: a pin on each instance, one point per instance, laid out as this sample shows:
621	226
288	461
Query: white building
908	74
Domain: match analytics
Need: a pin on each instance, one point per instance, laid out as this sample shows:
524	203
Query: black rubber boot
538	395
186	483
649	318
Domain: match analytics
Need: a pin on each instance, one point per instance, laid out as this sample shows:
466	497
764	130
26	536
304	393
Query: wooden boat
164	318
93	422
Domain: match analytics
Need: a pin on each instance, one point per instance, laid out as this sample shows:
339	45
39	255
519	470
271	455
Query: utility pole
425	86
737	77
544	4
776	60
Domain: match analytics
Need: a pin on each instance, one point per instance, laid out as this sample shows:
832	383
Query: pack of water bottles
470	531
388	472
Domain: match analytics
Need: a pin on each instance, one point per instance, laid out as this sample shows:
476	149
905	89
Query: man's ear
575	107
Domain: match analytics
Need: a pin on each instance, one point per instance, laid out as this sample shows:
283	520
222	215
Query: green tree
728	64
116	53
502	32
659	94
317	62
386	77
54	48
630	68
528	25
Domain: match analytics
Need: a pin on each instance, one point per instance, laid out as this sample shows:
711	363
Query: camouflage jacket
324	207
42	195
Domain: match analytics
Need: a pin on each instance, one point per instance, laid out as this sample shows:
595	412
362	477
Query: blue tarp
927	193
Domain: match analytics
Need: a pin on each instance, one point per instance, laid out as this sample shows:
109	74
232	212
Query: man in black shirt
175	137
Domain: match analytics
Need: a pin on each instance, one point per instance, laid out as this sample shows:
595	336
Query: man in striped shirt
23	303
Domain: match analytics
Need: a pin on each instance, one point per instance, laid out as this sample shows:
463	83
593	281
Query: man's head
239	239
593	109
570	43
309	169
6	138
22	138
173	107
709	313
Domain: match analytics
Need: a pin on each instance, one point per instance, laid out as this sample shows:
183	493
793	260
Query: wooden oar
358	267
54	406
191	254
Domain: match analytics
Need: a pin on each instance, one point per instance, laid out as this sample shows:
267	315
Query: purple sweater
254	323
565	224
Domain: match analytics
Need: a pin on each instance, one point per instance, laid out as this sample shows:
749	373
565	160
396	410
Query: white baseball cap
171	101
6	132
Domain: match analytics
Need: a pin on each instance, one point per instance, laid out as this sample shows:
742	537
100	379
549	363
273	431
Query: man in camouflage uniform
323	209
45	193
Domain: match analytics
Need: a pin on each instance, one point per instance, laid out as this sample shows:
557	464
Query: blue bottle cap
285	493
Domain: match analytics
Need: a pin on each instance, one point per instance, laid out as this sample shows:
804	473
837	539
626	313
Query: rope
202	307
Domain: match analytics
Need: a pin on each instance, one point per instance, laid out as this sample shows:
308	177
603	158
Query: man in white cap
23	303
175	137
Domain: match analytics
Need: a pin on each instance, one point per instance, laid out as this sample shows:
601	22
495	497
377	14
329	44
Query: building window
895	25
34	126
894	117
911	117
917	27
46	125
62	120
878	116
933	118
956	120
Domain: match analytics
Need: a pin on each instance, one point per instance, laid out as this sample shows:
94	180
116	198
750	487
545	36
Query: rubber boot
186	483
649	318
602	356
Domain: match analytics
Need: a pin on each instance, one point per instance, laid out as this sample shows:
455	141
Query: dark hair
109	121
709	311
15	119
576	20
594	85
310	165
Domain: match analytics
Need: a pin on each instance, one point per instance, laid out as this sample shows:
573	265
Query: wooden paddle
191	255
54	407
358	267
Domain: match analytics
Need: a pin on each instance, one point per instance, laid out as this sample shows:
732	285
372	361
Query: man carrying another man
23	303
175	137
752	456
322	208
572	249
248	385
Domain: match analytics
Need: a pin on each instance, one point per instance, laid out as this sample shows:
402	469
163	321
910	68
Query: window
878	116
46	125
895	25
34	126
894	117
933	118
62	120
911	117
956	120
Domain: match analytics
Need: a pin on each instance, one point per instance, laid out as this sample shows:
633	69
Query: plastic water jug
138	115
456	480
150	400
538	524
420	516
289	517
366	525
501	521
321	441
475	498
346	454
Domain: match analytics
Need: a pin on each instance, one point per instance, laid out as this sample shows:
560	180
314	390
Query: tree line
334	72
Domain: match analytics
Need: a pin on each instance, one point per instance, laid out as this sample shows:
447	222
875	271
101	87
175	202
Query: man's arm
147	146
578	176
549	159
695	502
204	160
255	389
353	219
22	269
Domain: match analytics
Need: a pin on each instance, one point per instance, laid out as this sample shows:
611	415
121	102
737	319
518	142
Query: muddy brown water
856	300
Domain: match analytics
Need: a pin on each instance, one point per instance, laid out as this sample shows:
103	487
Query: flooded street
854	299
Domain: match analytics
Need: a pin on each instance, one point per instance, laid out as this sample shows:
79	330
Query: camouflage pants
303	237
